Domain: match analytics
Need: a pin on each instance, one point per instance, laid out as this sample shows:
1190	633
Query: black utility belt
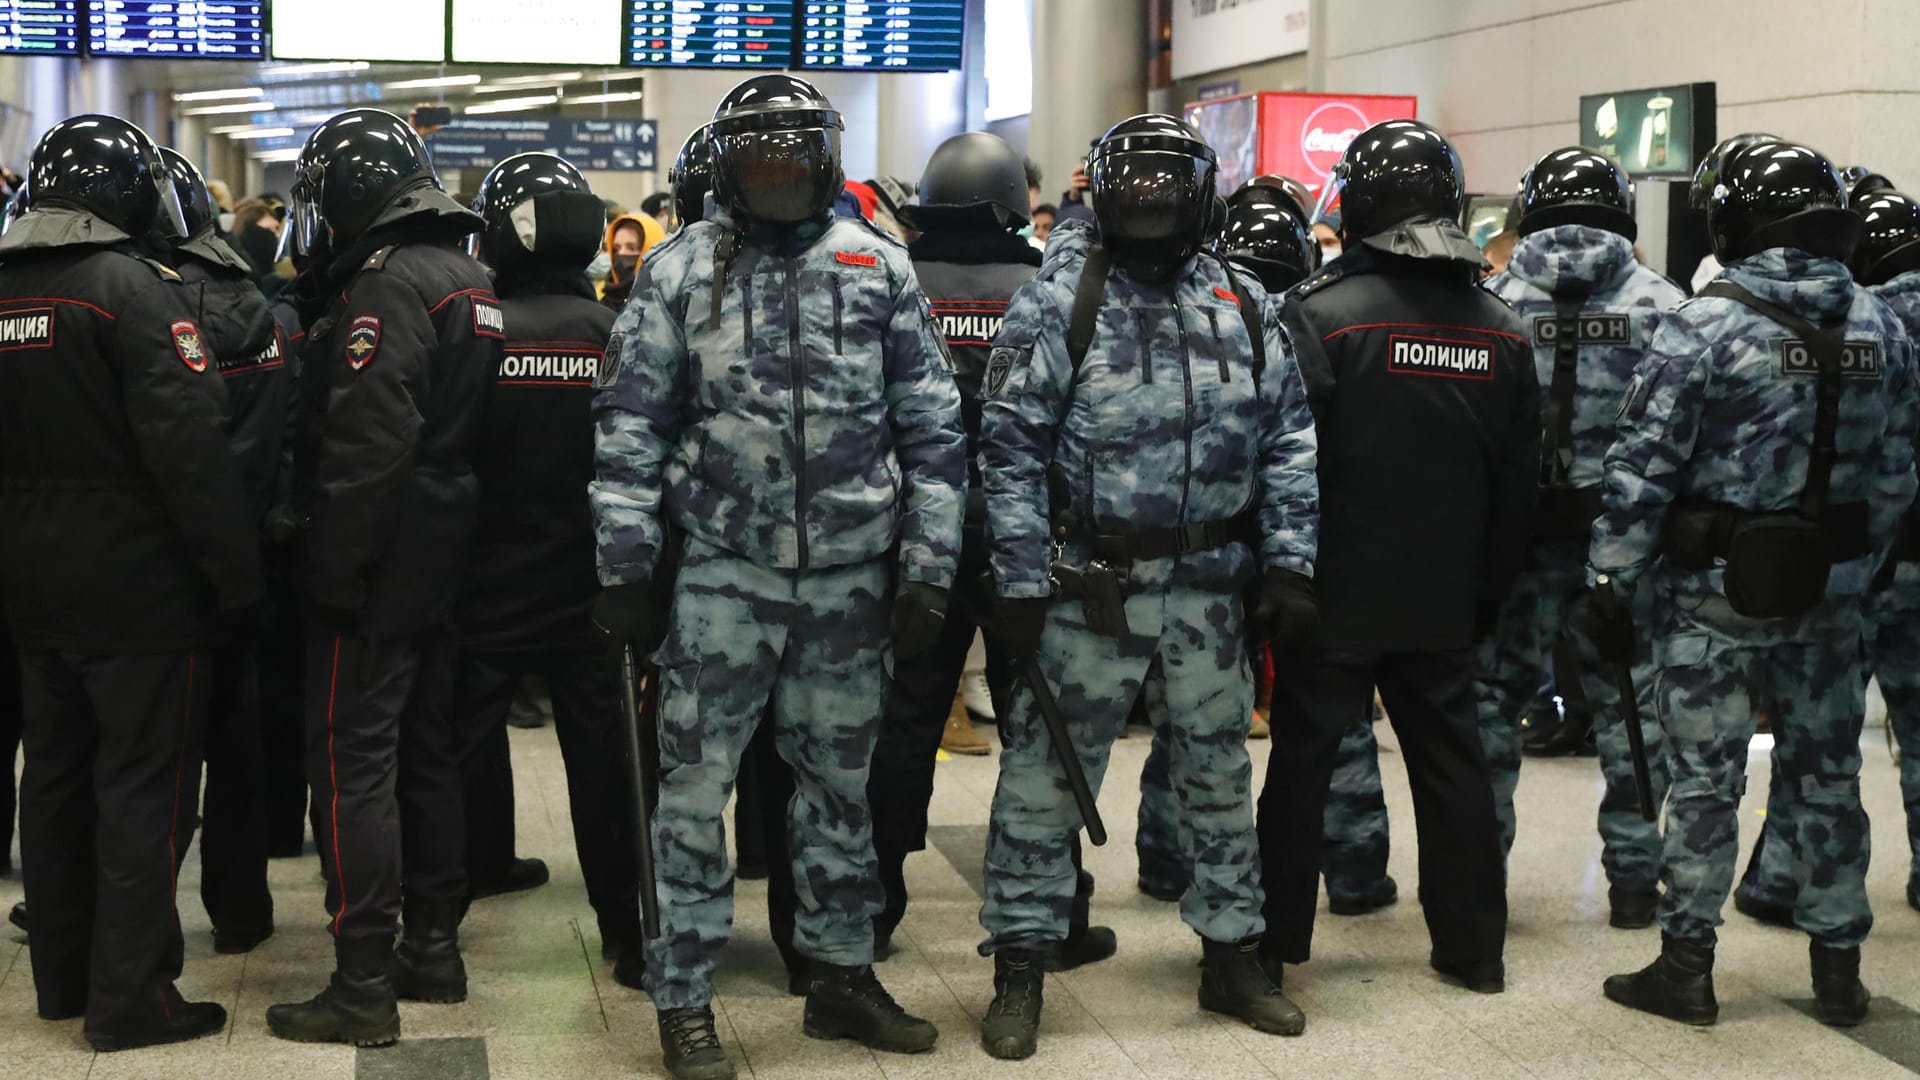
1139	545
1698	533
1776	562
1566	513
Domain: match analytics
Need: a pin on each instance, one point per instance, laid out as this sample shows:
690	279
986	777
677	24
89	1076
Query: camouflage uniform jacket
814	423
1715	412
1162	427
1902	294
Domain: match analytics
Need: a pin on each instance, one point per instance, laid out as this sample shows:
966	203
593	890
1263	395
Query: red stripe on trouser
173	823
333	778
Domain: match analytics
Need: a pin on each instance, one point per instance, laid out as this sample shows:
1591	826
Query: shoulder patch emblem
999	371
363	340
609	364
1858	359
854	258
488	320
188	346
1225	294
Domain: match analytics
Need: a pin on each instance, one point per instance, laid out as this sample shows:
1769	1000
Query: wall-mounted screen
537	31
906	35
394	30
40	27
178	29
706	33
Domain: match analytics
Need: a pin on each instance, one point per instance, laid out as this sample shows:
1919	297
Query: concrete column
1089	73
47	91
917	113
190	138
102	88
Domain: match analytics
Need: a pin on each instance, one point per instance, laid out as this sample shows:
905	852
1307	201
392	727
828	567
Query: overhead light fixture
236	107
263	133
528	82
605	99
507	105
445	80
274	70
290	153
220	95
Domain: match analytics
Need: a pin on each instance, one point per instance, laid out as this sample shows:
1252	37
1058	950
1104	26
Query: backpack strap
1827	345
1556	413
1087	297
724	251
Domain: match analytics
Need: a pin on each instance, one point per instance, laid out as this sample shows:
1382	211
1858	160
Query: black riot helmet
776	151
537	208
976	170
353	168
1890	241
1575	186
109	168
1267	232
1780	194
190	188
1394	172
692	177
1151	179
1862	181
1300	193
1707	176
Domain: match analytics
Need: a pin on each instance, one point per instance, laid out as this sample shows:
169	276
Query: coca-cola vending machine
1296	135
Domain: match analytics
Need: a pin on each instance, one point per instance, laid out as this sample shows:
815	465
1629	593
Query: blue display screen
40	27
905	35
711	33
178	29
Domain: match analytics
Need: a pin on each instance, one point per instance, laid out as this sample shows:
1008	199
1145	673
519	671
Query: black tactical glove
1606	624
629	616
1285	611
1017	625
919	609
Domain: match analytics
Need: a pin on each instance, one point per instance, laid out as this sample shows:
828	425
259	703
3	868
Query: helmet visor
1329	195
783	176
304	232
1153	198
169	220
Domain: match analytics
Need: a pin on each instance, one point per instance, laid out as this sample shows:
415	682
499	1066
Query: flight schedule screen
190	29
712	33
40	27
906	35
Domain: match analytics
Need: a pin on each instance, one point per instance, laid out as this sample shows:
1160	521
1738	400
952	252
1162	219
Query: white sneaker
973	691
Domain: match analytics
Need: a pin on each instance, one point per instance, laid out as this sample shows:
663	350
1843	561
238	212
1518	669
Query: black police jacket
250	350
968	276
123	527
393	388
1428	415
532	582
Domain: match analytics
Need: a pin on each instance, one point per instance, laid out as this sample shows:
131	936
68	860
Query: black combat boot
1678	985
1631	909
850	1003
1383	894
1481	976
1085	944
358	1005
1011	1029
179	1021
520	875
1838	994
690	1046
427	965
1233	982
1553	736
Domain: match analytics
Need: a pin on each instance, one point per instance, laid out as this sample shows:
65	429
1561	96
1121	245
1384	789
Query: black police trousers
9	747
385	780
900	786
107	807
1429	699
588	723
281	651
233	830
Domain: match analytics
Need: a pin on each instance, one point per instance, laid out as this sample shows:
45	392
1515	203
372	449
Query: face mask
597	269
1329	252
624	265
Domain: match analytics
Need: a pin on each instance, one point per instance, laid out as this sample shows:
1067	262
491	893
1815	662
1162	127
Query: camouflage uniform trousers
813	643
1513	661
1894	658
1186	654
1714	664
1355	856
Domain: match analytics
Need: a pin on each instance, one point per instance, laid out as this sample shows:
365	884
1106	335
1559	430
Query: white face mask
1329	251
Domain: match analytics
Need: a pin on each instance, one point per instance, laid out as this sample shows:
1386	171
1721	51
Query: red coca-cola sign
1296	135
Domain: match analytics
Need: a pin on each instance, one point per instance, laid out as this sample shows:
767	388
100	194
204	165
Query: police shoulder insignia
609	363
856	258
999	370
188	346
363	340
488	320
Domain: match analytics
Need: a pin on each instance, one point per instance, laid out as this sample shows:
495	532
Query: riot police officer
404	340
127	549
1759	512
1589	309
691	178
249	351
970	259
526	604
782	402
1147	445
1429	438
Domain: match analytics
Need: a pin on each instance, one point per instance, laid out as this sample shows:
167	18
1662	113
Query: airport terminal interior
1283	97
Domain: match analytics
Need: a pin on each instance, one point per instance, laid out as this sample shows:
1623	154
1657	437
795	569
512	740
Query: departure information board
537	32
906	35
711	33
40	27
178	29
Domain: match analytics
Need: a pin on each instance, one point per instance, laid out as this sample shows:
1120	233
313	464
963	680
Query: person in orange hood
629	238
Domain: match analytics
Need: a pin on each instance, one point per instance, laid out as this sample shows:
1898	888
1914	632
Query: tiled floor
544	1006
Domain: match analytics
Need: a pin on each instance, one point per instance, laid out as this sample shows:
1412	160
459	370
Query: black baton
1063	751
1610	606
639	724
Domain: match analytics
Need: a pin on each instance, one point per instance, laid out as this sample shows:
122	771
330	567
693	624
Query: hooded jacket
1717	411
618	286
123	524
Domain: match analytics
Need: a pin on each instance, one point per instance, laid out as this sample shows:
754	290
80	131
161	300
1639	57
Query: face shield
1329	194
781	168
304	232
1154	203
169	223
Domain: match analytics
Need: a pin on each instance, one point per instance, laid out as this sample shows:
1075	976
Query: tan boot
1260	728
959	736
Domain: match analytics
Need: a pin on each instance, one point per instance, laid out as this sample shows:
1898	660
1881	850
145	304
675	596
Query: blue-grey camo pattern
1156	838
813	643
815	423
1163	426
1197	686
1714	414
1354	858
